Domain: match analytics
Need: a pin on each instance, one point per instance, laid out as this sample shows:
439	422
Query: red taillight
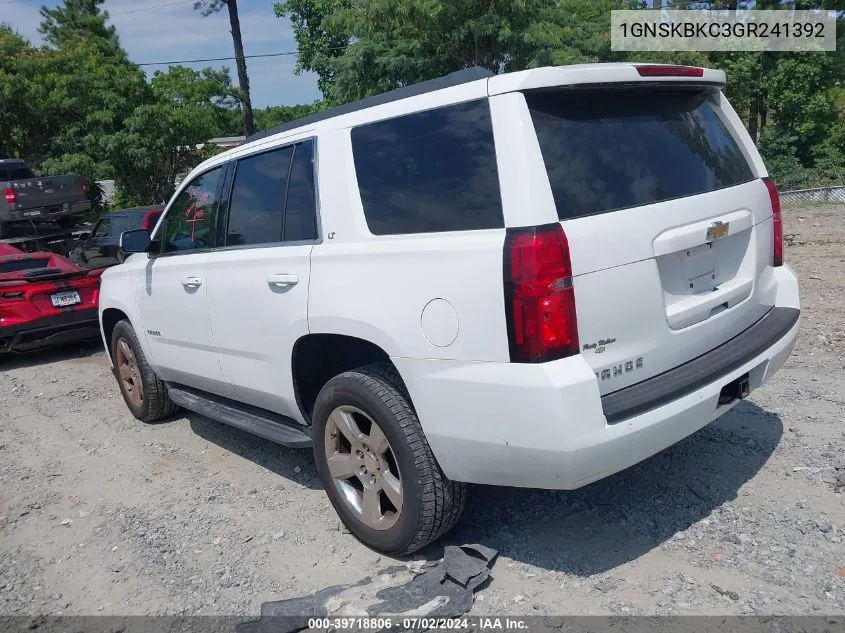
777	223
539	298
670	71
84	184
11	196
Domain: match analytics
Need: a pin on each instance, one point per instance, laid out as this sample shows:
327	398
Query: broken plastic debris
442	589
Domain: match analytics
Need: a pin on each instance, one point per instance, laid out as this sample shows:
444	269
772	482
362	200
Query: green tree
272	116
87	97
573	31
399	42
20	132
77	105
80	19
206	98
319	39
157	145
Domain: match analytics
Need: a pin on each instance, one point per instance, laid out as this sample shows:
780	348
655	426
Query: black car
102	247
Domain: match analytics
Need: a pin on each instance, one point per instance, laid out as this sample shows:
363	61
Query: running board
271	426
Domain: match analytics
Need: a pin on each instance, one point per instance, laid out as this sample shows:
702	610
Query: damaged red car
45	299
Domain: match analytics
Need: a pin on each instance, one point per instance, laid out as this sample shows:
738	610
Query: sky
151	32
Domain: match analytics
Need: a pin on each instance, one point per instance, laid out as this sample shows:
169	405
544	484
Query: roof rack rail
447	81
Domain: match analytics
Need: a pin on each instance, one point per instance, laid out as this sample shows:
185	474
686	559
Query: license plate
64	299
66	207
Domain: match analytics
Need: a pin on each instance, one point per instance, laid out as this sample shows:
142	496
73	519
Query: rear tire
4	230
144	394
372	405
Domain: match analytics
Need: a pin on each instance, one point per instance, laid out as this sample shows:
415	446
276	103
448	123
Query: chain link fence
819	194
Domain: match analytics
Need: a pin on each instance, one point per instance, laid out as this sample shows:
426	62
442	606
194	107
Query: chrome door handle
192	282
283	279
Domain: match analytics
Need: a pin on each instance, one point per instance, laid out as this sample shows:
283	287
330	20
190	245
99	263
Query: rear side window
258	198
609	150
273	198
300	206
122	223
429	171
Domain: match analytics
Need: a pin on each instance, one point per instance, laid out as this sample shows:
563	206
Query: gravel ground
100	514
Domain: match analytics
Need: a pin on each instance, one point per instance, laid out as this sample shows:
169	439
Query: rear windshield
612	149
15	173
128	222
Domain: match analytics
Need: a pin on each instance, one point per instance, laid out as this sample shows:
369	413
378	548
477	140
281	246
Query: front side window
429	171
190	223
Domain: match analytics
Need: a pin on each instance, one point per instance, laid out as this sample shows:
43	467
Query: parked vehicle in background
531	279
29	198
45	299
101	248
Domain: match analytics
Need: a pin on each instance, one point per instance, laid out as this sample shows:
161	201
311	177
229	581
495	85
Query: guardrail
819	194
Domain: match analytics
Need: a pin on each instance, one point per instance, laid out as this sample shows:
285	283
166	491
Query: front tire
376	464
144	394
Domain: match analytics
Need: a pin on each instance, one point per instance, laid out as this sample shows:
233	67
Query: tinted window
611	150
258	198
17	265
300	210
102	228
121	223
190	221
13	173
149	220
429	171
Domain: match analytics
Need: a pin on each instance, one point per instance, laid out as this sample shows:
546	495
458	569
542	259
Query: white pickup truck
531	279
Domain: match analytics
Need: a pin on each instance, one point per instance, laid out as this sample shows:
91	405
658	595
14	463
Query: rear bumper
76	207
545	426
67	327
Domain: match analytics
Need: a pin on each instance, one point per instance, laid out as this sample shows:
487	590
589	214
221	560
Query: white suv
532	279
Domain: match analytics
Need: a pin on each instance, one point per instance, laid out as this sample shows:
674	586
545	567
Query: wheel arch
319	357
109	318
108	321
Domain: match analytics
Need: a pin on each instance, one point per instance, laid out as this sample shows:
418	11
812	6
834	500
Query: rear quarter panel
377	287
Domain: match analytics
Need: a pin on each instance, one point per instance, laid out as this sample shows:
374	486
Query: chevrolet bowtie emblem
717	230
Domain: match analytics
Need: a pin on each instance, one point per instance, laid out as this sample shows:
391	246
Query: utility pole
207	7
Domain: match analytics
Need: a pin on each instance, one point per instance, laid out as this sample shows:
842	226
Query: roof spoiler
606	75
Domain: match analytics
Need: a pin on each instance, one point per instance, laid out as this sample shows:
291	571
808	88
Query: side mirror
137	241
